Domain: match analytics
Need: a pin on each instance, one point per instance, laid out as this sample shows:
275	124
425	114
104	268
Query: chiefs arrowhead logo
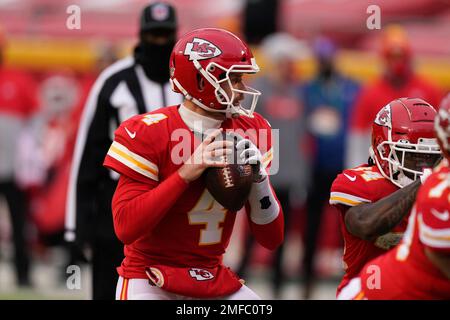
200	49
384	117
200	274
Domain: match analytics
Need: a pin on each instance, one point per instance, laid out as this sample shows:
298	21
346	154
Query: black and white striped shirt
122	90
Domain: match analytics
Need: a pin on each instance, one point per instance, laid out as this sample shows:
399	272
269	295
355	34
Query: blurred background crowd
324	75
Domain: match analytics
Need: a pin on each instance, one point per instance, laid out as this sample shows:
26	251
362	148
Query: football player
418	268
174	232
374	199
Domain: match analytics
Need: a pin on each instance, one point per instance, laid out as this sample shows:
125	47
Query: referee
133	85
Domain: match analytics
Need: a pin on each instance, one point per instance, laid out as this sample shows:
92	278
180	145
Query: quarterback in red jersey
418	268
175	233
374	199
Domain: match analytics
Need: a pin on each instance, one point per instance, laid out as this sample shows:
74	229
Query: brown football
230	185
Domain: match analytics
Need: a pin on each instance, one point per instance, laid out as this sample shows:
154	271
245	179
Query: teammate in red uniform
175	233
418	268
399	79
374	199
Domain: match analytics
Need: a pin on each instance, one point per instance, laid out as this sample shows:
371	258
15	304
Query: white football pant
140	289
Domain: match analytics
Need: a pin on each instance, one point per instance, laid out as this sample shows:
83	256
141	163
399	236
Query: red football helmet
202	60
442	126
403	140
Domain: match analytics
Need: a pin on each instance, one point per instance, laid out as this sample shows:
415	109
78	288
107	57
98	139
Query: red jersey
17	93
381	92
363	184
406	272
196	229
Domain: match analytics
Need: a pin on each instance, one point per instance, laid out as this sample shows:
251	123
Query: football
230	185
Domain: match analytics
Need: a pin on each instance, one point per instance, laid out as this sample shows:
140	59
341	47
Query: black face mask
326	70
154	59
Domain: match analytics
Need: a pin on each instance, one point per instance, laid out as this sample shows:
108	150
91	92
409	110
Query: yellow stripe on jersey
433	237
130	158
133	160
336	200
267	157
436	238
346	199
359	296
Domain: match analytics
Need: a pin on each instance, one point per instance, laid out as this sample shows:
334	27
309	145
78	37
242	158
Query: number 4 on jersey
150	119
209	212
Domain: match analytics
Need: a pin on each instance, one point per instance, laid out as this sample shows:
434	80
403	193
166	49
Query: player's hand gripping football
208	154
248	153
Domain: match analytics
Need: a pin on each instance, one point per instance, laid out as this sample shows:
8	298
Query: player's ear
224	85
200	82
